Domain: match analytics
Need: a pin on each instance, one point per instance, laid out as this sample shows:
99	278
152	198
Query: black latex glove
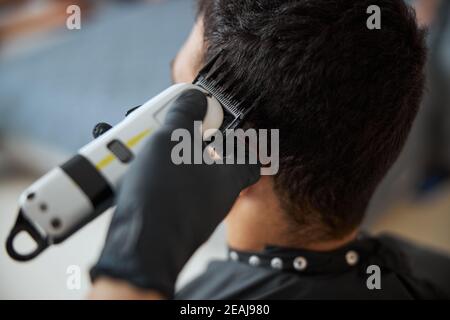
166	211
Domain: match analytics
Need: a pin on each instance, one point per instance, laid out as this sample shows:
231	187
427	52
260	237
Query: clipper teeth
225	99
215	79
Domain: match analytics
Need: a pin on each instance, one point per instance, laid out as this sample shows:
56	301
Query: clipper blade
216	80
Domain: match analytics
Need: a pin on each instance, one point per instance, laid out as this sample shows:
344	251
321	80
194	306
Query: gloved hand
166	211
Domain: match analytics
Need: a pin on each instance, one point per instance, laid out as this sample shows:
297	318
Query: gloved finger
190	106
239	157
243	175
100	128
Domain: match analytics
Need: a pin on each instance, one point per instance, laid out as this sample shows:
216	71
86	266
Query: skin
426	11
256	219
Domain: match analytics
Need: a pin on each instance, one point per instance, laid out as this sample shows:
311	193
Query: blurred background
56	84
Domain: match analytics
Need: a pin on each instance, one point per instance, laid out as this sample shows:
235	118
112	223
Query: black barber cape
382	267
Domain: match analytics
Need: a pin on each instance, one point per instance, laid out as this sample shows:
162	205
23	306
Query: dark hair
344	97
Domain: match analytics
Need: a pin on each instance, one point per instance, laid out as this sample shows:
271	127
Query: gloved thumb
190	106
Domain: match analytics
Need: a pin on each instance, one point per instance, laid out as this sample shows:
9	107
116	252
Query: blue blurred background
56	86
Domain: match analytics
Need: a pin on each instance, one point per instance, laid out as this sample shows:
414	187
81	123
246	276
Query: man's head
343	97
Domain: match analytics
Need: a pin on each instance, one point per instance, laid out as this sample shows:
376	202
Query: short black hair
344	97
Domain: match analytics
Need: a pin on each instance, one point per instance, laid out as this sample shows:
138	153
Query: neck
257	220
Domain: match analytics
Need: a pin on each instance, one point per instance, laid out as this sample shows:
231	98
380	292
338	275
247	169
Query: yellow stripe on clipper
130	144
135	140
105	161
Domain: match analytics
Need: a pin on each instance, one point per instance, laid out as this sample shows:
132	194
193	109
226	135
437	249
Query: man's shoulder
224	279
408	271
427	265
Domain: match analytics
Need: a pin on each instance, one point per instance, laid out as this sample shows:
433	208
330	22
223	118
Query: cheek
188	60
183	70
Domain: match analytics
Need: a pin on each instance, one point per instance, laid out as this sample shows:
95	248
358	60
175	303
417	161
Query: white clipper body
71	195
